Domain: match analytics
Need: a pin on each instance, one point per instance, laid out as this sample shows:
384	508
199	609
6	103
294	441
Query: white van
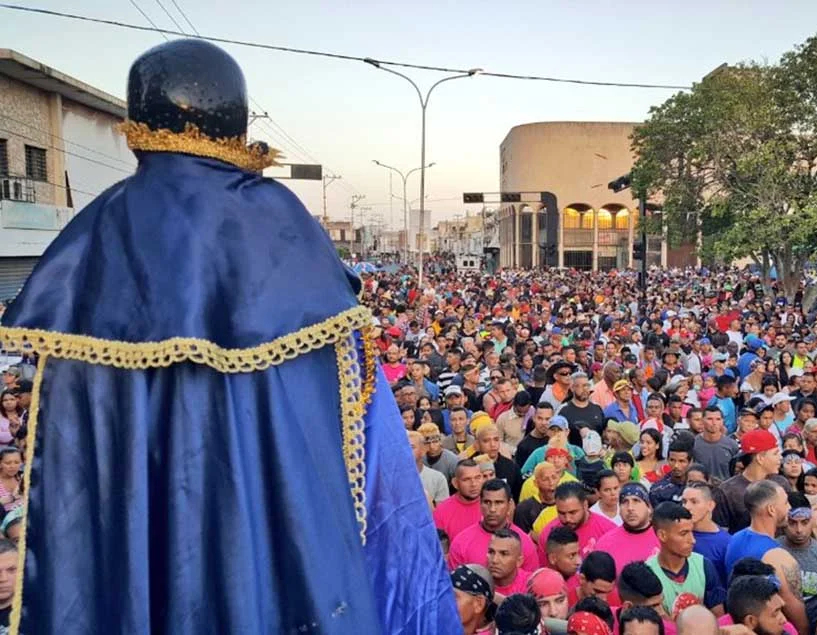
469	263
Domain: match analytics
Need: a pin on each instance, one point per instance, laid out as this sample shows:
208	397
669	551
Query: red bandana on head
683	601
584	623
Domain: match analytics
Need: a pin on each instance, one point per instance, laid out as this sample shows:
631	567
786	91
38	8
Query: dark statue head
188	81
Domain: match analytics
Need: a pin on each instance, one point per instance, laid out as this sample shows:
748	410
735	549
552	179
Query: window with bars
4	158
35	164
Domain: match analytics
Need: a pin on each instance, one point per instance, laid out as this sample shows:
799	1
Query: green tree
734	158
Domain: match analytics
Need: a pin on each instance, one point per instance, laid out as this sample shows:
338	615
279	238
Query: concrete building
414	230
578	222
59	148
461	235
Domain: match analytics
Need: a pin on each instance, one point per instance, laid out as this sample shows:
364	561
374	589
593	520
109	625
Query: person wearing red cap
586	623
550	591
761	456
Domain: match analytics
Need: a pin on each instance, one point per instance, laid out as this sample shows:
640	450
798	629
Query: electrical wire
169	15
147	17
266	121
129	164
61	186
184	15
68	152
339	56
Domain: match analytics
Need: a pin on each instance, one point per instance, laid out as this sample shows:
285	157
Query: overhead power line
68	152
340	56
169	15
274	130
147	17
130	164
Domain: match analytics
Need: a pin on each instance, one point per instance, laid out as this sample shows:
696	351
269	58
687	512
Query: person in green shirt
686	577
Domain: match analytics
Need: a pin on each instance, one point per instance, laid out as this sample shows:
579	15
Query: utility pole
642	217
254	116
328	179
356	198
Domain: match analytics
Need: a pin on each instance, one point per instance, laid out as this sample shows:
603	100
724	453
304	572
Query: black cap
24	386
725	380
188	81
522	398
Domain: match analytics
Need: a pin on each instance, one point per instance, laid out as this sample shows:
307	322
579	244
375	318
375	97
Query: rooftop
33	73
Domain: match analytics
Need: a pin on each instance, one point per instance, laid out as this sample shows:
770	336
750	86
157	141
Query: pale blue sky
347	113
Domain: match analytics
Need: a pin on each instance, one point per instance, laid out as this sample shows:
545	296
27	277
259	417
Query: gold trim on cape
33	417
356	386
353	409
192	141
143	355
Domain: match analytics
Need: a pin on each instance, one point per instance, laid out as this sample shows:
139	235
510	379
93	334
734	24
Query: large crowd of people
598	459
604	459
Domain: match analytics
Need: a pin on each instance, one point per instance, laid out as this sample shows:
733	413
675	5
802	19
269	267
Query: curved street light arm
437	83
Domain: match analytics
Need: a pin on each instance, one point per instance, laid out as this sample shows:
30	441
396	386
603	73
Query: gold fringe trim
352	410
143	355
356	388
33	417
192	141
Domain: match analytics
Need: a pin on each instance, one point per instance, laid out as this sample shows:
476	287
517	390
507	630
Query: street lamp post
405	199
423	107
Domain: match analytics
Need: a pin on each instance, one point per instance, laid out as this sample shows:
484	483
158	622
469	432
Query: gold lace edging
233	150
31	435
143	355
356	390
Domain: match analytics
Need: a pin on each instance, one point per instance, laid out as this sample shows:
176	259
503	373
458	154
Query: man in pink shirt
635	539
505	562
603	394
461	510
471	544
572	511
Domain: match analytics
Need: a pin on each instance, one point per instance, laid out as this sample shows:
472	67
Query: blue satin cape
183	500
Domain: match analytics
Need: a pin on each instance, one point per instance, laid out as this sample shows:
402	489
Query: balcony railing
17	188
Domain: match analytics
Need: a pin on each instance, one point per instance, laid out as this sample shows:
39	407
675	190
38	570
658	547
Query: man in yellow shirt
559	457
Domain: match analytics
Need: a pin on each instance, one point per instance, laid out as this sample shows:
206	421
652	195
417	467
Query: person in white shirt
608	487
434	483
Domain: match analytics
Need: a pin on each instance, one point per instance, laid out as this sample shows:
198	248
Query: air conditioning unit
13	189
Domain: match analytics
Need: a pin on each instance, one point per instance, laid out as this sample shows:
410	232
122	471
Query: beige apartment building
580	223
59	148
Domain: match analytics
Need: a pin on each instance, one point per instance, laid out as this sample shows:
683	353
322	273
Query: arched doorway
614	237
578	220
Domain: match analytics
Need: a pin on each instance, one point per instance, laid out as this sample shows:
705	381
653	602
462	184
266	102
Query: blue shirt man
753	343
723	399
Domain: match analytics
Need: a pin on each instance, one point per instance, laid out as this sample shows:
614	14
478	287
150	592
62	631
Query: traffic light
510	197
306	172
621	183
473	197
638	251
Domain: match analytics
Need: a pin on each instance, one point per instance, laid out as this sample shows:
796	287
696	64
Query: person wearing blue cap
558	425
753	344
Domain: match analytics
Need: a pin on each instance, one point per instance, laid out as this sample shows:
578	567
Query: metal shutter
13	274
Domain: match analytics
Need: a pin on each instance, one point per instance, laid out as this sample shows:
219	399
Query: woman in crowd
409	416
650	459
10	416
698	473
784	369
792	469
11	490
810	482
